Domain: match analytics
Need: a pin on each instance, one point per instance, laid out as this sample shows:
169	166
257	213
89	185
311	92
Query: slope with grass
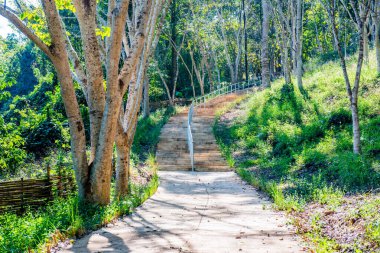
298	149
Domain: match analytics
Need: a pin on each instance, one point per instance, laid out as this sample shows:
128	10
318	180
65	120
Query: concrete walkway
197	212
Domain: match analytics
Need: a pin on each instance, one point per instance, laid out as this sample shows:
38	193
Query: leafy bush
352	170
339	118
148	133
11	153
43	137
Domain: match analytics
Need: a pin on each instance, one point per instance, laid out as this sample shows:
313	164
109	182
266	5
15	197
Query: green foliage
43	137
301	147
65	218
104	31
148	133
65	5
36	21
11	153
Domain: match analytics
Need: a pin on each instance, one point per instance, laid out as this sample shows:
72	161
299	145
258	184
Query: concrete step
197	160
164	154
172	151
183	142
200	169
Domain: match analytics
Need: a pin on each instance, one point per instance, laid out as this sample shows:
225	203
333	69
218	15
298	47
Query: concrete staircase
172	151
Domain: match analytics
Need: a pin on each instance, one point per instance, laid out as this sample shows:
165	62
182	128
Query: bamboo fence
21	195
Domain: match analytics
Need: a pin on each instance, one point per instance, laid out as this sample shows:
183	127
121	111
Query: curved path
196	212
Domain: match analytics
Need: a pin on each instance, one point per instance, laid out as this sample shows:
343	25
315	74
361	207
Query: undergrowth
148	133
298	148
39	230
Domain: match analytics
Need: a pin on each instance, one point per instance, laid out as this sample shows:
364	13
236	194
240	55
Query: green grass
148	133
65	218
298	149
38	230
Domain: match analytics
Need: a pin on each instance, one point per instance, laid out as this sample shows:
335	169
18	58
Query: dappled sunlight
196	211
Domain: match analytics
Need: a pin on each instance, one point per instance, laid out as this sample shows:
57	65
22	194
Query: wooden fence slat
16	196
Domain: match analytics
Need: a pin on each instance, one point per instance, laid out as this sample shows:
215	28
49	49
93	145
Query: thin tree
265	73
283	19
245	42
376	16
174	51
360	19
299	36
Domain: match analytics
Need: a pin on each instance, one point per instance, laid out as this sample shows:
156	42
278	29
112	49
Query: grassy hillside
298	149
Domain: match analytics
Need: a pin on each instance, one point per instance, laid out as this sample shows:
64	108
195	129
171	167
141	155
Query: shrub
352	170
311	159
43	137
313	131
339	118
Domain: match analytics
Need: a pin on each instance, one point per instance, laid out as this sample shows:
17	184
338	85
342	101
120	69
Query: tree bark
174	55
294	34
365	37
377	34
122	162
86	16
299	45
245	43
146	107
128	118
285	31
265	74
360	20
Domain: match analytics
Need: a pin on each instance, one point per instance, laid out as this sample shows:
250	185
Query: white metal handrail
190	135
226	90
202	99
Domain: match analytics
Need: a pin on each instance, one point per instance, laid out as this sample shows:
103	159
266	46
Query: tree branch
26	31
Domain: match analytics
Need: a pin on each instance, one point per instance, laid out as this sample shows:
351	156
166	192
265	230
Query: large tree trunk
265	74
122	163
355	126
61	63
355	92
77	133
129	117
86	15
